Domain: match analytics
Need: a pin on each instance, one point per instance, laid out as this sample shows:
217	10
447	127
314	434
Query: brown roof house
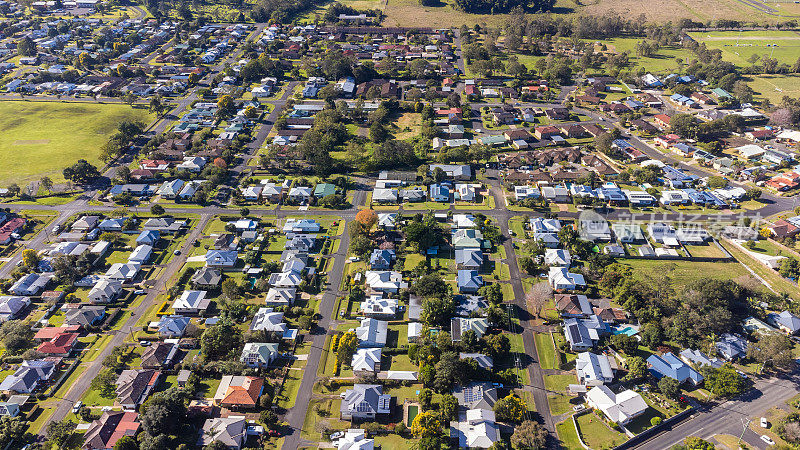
104	432
135	385
237	391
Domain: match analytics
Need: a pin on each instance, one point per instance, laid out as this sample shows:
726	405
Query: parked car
767	439
337	435
144	343
764	423
578	408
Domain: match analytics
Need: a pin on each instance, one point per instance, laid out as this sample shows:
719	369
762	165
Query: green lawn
546	351
568	435
597	434
41	138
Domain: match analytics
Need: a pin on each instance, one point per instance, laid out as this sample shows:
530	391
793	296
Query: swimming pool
630	331
413	410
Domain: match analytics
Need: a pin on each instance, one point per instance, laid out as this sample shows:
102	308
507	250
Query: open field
410	13
40	139
774	87
739	47
664	61
682	273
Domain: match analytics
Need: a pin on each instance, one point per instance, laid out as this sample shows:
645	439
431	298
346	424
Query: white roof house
620	408
464	221
557	257
141	254
377	306
191	302
366	360
593	370
476	429
414	331
124	272
281	296
372	333
267	320
385	280
561	278
387	220
105	291
354	439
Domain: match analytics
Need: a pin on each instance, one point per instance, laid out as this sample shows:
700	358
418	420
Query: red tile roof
61	344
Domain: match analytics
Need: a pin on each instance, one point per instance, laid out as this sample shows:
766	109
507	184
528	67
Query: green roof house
324	189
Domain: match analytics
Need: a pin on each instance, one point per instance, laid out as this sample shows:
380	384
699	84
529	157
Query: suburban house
31	284
84	315
468	281
669	365
172	326
159	355
105	291
104	432
372	333
365	402
61	344
784	321
206	278
731	346
231	431
460	325
221	259
12	307
366	361
236	391
593	369
259	354
619	408
135	385
191	303
267	319
561	279
475	429
281	296
28	376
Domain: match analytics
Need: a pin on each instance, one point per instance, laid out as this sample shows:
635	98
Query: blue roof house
381	259
731	346
148	237
469	281
669	365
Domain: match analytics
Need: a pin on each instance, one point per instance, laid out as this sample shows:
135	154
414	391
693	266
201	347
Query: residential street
731	417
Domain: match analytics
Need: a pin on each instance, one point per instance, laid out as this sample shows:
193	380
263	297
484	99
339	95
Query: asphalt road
296	415
82	383
731	417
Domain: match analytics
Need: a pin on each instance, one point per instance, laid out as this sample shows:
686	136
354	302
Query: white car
764	423
767	439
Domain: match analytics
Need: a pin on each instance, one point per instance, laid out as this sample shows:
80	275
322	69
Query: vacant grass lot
685	272
664	61
40	139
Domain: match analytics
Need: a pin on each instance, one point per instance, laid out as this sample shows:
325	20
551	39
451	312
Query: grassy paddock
40	138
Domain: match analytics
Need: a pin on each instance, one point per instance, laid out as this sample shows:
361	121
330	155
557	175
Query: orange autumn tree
367	218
